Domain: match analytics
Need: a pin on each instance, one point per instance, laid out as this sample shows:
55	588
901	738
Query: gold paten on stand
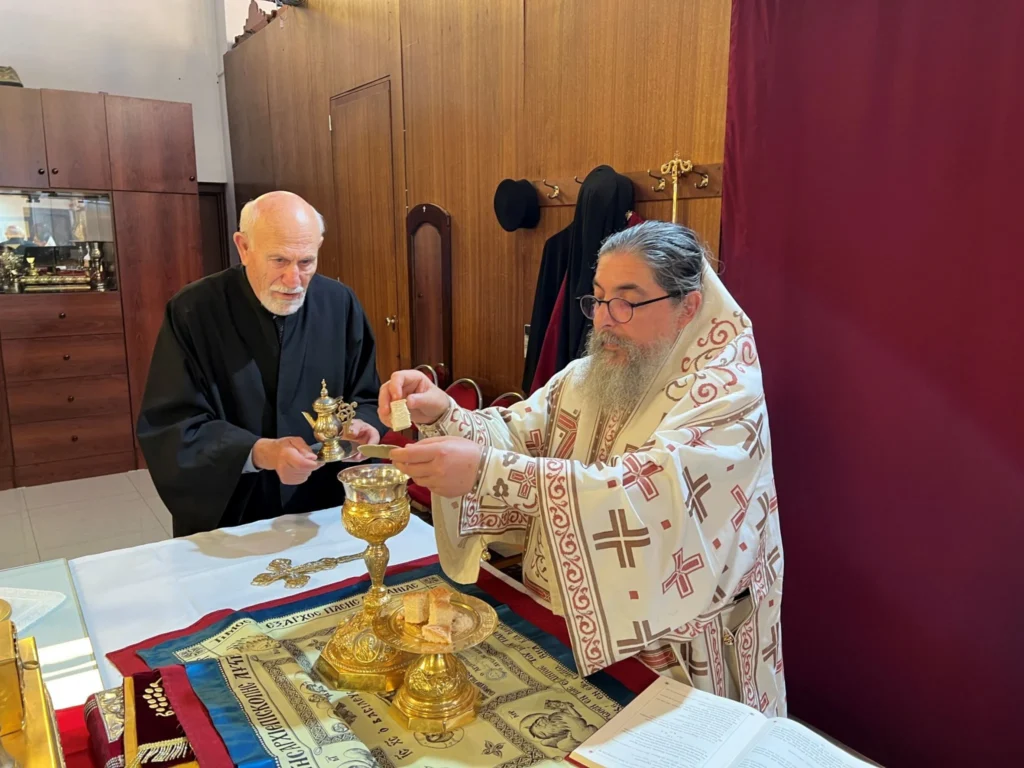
437	694
376	508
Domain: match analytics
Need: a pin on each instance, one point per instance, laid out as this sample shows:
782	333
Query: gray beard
608	382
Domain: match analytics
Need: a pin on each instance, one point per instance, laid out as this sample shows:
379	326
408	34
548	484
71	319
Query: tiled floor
80	517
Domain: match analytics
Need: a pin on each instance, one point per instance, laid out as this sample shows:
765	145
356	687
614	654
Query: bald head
278	240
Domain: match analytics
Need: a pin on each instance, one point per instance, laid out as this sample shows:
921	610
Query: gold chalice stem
376	557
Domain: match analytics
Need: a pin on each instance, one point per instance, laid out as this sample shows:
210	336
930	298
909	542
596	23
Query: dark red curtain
873	228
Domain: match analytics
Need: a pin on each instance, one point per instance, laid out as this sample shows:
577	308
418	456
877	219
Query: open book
671	725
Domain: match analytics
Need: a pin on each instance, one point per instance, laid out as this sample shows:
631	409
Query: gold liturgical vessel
376	508
28	729
437	694
333	418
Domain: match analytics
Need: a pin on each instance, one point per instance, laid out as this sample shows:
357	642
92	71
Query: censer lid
5	610
325	403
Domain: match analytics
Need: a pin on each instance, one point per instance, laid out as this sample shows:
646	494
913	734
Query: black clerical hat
516	205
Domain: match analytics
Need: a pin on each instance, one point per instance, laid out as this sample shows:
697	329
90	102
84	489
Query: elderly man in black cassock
240	355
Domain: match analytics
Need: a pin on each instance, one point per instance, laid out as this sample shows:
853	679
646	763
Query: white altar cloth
130	595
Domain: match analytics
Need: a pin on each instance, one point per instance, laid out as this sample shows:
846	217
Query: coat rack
691	182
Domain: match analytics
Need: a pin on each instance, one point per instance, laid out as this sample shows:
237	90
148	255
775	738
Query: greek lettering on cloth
252	671
654	532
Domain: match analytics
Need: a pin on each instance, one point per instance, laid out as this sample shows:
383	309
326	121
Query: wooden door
364	191
151	145
158	253
22	147
76	140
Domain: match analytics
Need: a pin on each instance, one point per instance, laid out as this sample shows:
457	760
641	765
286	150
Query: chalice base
436	696
355	659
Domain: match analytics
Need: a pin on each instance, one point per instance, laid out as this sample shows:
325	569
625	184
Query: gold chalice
376	508
437	694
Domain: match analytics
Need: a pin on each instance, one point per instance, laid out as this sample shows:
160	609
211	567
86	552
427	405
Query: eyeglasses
620	310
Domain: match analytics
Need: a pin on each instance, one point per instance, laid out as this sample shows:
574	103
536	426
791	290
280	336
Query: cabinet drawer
57	471
26	317
34	401
71	439
63	357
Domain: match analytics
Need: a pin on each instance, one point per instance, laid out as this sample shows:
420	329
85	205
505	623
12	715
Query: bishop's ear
689	308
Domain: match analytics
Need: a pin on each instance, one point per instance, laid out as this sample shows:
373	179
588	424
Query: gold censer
376	508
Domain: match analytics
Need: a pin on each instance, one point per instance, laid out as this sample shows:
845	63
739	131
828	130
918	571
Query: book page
670	725
785	744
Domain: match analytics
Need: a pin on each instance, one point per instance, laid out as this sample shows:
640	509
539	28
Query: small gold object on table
28	728
437	694
376	508
333	418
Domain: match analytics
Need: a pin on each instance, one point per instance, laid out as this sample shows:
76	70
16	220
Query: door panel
364	193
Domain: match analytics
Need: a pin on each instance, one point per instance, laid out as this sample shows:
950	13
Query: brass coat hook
705	180
660	186
576	179
554	194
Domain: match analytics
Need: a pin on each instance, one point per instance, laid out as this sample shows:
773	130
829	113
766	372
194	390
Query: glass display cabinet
56	242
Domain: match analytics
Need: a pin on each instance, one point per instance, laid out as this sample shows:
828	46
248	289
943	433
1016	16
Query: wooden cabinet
22	143
151	145
159	248
75	127
73	366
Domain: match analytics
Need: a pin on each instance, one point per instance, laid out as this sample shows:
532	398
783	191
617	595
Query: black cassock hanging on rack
567	271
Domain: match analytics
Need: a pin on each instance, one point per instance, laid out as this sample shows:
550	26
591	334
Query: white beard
282	307
611	382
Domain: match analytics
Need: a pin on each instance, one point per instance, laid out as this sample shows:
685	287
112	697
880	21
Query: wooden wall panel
252	147
462	64
150	274
624	85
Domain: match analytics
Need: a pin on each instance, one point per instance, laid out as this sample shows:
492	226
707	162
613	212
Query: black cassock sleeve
195	456
362	384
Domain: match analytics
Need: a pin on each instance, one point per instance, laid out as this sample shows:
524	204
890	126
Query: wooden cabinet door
364	192
151	145
22	146
159	252
76	140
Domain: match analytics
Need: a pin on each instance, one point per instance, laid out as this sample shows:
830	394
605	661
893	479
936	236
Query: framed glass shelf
56	242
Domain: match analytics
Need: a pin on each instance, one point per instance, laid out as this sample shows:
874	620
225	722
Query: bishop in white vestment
639	480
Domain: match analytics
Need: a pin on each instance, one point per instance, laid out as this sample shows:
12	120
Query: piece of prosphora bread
400	418
441	612
415	607
434	633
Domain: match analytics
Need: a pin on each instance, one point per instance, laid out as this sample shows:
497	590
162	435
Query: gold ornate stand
376	508
437	694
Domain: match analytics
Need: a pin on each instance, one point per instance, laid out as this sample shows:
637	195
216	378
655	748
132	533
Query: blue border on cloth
230	720
232	724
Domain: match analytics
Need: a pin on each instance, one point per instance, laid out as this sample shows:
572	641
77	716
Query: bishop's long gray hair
673	252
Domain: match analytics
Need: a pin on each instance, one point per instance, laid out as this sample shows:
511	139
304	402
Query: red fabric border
74	737
206	743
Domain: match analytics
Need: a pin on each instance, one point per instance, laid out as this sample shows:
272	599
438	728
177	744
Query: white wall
155	49
235	14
